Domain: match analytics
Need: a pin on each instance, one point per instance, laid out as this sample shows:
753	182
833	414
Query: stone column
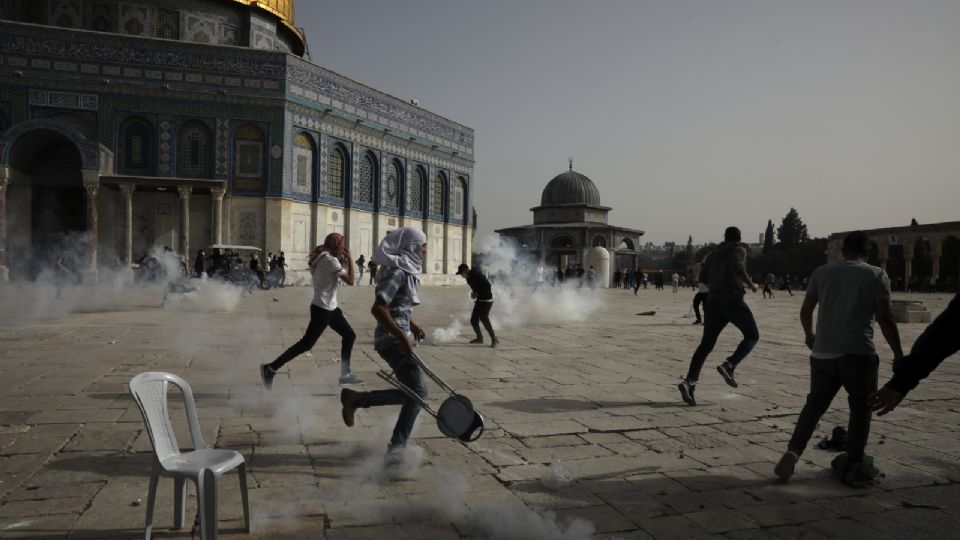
883	254
185	221
91	185
4	182
216	195
127	191
907	272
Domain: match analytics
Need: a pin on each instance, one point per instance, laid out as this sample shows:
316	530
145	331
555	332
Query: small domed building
570	224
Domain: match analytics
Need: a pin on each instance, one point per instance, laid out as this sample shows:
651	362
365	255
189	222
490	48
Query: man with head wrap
399	260
329	264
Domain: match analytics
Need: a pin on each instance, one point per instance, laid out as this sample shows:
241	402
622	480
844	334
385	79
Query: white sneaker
350	378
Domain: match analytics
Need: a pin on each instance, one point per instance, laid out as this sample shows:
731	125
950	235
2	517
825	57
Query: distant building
570	229
916	256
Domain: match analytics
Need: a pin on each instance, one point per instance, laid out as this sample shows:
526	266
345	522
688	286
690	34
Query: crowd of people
848	297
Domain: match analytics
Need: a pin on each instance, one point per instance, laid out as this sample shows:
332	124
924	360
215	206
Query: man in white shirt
850	293
329	265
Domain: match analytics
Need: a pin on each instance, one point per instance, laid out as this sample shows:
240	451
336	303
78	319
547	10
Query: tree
768	237
792	232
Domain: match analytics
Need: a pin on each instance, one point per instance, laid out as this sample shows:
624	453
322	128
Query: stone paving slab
586	435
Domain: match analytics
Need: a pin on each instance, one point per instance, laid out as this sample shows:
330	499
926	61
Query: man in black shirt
725	273
483	302
939	341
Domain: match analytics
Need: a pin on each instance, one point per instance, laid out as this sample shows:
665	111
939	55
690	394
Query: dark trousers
717	314
481	314
408	373
767	289
320	319
699	298
857	374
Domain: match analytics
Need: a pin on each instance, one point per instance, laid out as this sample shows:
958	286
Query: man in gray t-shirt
850	294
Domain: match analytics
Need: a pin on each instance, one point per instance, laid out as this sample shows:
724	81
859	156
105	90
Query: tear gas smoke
556	476
62	284
448	334
520	297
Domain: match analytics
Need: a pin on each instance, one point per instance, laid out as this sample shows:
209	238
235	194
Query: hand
406	345
418	332
753	287
809	341
884	400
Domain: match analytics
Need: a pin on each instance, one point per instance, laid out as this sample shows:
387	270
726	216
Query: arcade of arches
60	207
916	257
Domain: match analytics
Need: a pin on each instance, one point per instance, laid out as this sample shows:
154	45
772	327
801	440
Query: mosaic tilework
65	13
165	166
222	148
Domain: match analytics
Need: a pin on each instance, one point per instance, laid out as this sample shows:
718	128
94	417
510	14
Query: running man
850	294
768	286
399	261
483	302
725	272
329	264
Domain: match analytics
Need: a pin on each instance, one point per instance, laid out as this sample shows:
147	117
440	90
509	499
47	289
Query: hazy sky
688	115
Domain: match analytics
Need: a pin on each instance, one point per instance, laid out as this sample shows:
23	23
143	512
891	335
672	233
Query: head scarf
334	244
401	249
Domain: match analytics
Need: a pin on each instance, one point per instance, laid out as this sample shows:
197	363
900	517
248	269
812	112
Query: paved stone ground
583	418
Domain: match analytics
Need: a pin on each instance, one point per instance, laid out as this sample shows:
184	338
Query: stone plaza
583	422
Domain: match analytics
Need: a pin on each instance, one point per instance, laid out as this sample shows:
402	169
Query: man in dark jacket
483	302
725	273
939	341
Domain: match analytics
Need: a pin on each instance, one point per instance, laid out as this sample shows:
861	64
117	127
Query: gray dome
570	187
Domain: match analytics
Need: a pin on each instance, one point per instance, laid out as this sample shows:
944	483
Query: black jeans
481	313
408	373
320	319
857	374
718	312
699	298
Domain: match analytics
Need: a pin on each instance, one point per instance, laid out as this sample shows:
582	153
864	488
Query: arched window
437	195
392	187
415	186
302	163
249	141
137	144
337	173
363	181
459	193
599	241
193	150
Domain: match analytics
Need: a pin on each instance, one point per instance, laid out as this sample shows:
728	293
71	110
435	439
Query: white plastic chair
203	465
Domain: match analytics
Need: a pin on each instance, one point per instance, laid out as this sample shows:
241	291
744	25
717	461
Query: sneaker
494	343
477	340
860	474
266	376
393	457
350	399
686	392
726	371
696	322
784	468
350	378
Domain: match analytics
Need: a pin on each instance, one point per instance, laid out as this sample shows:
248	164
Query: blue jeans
718	312
408	373
857	374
